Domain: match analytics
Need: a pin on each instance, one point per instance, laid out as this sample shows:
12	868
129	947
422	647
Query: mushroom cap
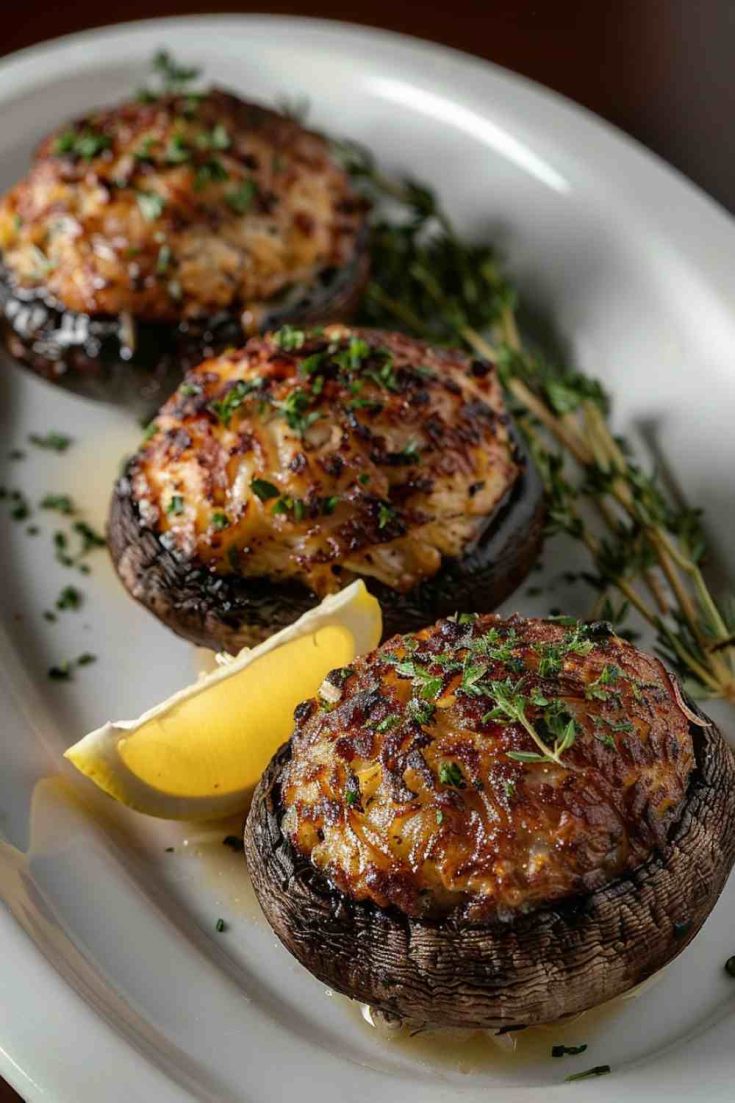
148	234
510	968
244	508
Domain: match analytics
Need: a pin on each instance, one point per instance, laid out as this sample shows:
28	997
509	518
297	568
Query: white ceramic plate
114	984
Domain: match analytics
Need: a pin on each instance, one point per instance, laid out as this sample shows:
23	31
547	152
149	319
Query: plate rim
711	252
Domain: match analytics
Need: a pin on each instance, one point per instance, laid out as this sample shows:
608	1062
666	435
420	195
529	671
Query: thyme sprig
640	543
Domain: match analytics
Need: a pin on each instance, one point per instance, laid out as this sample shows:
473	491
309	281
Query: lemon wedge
199	754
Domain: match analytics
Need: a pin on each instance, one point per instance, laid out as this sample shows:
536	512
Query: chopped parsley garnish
352	796
289	339
151	205
224	408
150	431
351	356
220	520
439	816
384	375
571	1051
472	679
386	514
429	685
173	76
216	138
177	151
451	774
220	926
264	490
606	739
388	724
598	690
60	673
493	645
60	546
211	172
189	390
89	538
294	408
310	365
144	152
69	598
299	508
420	711
240	199
61	503
64	672
55	442
86	144
175	504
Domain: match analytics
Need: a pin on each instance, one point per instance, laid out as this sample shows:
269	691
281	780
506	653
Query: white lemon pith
200	753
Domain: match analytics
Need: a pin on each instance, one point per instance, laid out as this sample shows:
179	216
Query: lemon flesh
199	754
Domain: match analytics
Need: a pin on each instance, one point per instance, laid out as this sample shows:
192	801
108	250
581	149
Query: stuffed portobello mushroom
493	823
149	235
279	473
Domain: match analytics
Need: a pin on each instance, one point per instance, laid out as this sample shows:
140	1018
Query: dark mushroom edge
92	356
556	961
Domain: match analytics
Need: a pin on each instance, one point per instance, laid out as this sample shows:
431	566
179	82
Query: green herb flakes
451	774
53	441
60	503
289	339
151	205
86	144
570	1051
264	490
225	407
69	598
240	199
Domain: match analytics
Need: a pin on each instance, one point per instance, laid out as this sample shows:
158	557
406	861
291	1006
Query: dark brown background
664	70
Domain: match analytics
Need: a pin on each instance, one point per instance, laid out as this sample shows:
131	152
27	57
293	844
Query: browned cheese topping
486	766
179	207
327	454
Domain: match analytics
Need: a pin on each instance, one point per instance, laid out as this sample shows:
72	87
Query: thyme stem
444	290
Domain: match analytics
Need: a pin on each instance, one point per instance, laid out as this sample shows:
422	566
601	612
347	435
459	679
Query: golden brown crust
182	207
410	784
315	456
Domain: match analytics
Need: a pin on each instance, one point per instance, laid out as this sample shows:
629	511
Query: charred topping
476	775
171	207
264	462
